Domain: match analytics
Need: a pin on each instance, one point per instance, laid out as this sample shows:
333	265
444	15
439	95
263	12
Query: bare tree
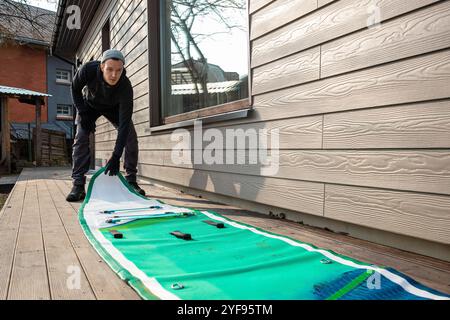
184	15
19	20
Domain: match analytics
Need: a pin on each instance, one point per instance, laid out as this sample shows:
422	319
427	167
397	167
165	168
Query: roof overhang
65	41
24	95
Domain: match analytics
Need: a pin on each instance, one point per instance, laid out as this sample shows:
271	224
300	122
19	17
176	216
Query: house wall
24	67
363	116
60	92
128	23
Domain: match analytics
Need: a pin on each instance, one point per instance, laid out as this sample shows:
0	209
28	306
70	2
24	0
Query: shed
24	96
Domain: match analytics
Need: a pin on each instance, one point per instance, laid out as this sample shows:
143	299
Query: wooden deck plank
29	278
105	283
66	276
9	225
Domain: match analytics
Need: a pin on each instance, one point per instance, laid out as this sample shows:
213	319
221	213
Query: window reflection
205	54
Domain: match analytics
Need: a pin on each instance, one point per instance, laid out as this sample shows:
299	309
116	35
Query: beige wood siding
362	109
128	33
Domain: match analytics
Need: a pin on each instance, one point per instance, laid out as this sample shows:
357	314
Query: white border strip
393	277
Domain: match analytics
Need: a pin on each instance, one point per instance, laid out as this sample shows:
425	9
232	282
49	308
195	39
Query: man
101	88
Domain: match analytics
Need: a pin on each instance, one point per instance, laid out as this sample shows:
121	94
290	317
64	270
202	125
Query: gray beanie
113	54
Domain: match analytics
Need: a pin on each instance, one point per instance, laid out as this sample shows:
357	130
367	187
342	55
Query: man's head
112	66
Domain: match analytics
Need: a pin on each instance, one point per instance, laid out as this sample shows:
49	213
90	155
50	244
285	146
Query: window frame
63	81
155	71
64	116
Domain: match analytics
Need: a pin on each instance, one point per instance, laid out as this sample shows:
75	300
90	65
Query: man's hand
113	166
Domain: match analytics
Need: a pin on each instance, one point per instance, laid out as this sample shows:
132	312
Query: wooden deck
43	248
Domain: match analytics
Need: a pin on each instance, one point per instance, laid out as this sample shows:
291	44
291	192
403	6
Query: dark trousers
81	156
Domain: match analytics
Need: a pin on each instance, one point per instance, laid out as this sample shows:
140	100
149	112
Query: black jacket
104	98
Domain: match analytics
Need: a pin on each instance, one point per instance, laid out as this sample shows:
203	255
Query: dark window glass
106	41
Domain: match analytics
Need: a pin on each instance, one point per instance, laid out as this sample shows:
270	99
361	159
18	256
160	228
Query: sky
227	48
45	4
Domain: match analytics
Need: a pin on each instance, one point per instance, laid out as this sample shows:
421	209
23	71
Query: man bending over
101	88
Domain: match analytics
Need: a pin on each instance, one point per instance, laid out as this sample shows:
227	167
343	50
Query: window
62	76
203	58
106	43
64	112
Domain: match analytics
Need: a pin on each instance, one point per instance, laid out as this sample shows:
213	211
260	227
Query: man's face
112	70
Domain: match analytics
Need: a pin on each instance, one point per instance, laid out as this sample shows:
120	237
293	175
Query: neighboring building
27	63
359	93
59	79
222	87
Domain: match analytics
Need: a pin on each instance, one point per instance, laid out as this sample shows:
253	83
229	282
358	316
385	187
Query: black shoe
76	194
137	188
